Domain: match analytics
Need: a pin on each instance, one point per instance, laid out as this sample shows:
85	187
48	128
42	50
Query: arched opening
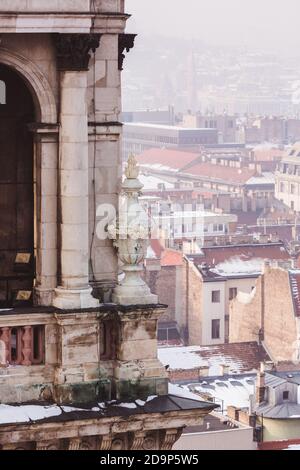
16	191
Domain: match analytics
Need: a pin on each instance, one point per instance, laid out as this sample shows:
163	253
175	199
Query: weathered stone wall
78	369
245	318
270	310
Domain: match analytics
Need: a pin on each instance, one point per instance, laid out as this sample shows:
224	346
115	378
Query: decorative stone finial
131	238
132	169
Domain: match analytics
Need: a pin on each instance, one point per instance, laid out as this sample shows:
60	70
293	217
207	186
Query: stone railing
22	345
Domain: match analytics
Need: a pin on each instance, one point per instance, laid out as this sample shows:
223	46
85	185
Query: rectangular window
293	189
232	293
215	329
285	395
215	296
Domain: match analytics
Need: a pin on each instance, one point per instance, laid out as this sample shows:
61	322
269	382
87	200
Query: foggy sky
271	25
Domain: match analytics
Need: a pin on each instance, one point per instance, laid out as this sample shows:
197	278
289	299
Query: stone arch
43	97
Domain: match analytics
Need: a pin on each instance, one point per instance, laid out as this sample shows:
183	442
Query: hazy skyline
271	25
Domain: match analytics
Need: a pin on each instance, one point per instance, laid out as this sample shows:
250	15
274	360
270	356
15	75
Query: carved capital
73	50
126	42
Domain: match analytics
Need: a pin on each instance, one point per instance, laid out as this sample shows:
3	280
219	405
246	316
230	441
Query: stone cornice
78	22
74	50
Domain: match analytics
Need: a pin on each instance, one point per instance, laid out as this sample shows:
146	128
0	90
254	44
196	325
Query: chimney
224	369
261	385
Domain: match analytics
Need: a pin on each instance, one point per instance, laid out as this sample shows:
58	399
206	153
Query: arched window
2	92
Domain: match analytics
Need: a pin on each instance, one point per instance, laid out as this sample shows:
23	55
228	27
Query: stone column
46	151
73	57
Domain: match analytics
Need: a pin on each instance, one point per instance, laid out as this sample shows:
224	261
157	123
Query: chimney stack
261	385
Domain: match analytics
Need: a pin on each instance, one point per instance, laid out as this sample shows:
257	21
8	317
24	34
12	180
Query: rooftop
222	262
177	400
167	127
239	357
222	173
173	159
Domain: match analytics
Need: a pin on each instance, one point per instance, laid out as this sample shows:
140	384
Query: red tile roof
172	158
268	154
222	173
247	355
278	445
171	258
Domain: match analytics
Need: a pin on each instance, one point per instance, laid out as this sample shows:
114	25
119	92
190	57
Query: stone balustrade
22	345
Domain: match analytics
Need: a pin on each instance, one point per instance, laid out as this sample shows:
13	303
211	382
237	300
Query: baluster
26	346
5	337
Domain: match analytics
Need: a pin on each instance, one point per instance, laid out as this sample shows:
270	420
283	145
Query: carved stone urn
131	239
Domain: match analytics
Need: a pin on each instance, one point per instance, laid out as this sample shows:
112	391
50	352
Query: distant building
138	137
215	277
274	129
288	179
161	116
274	409
271	313
225	124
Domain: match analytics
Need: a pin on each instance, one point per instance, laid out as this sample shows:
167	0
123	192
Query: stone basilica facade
78	366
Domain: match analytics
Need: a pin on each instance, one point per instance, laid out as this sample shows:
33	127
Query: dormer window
2	92
285	395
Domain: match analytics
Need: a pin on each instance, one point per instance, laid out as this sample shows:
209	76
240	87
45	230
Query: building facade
288	179
62	341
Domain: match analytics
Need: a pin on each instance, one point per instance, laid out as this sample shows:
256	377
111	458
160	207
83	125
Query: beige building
62	340
271	309
215	277
287	187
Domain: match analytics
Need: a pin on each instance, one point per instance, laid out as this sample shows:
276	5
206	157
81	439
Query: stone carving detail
131	238
126	42
73	50
46	445
137	441
105	443
149	443
169	438
74	444
117	444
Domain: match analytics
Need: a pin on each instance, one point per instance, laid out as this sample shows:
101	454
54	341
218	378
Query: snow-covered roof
227	392
238	357
239	266
263	179
152	182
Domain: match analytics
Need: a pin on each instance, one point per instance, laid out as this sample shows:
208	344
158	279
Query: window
215	329
293	189
285	395
2	92
282	187
232	293
292	205
215	296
